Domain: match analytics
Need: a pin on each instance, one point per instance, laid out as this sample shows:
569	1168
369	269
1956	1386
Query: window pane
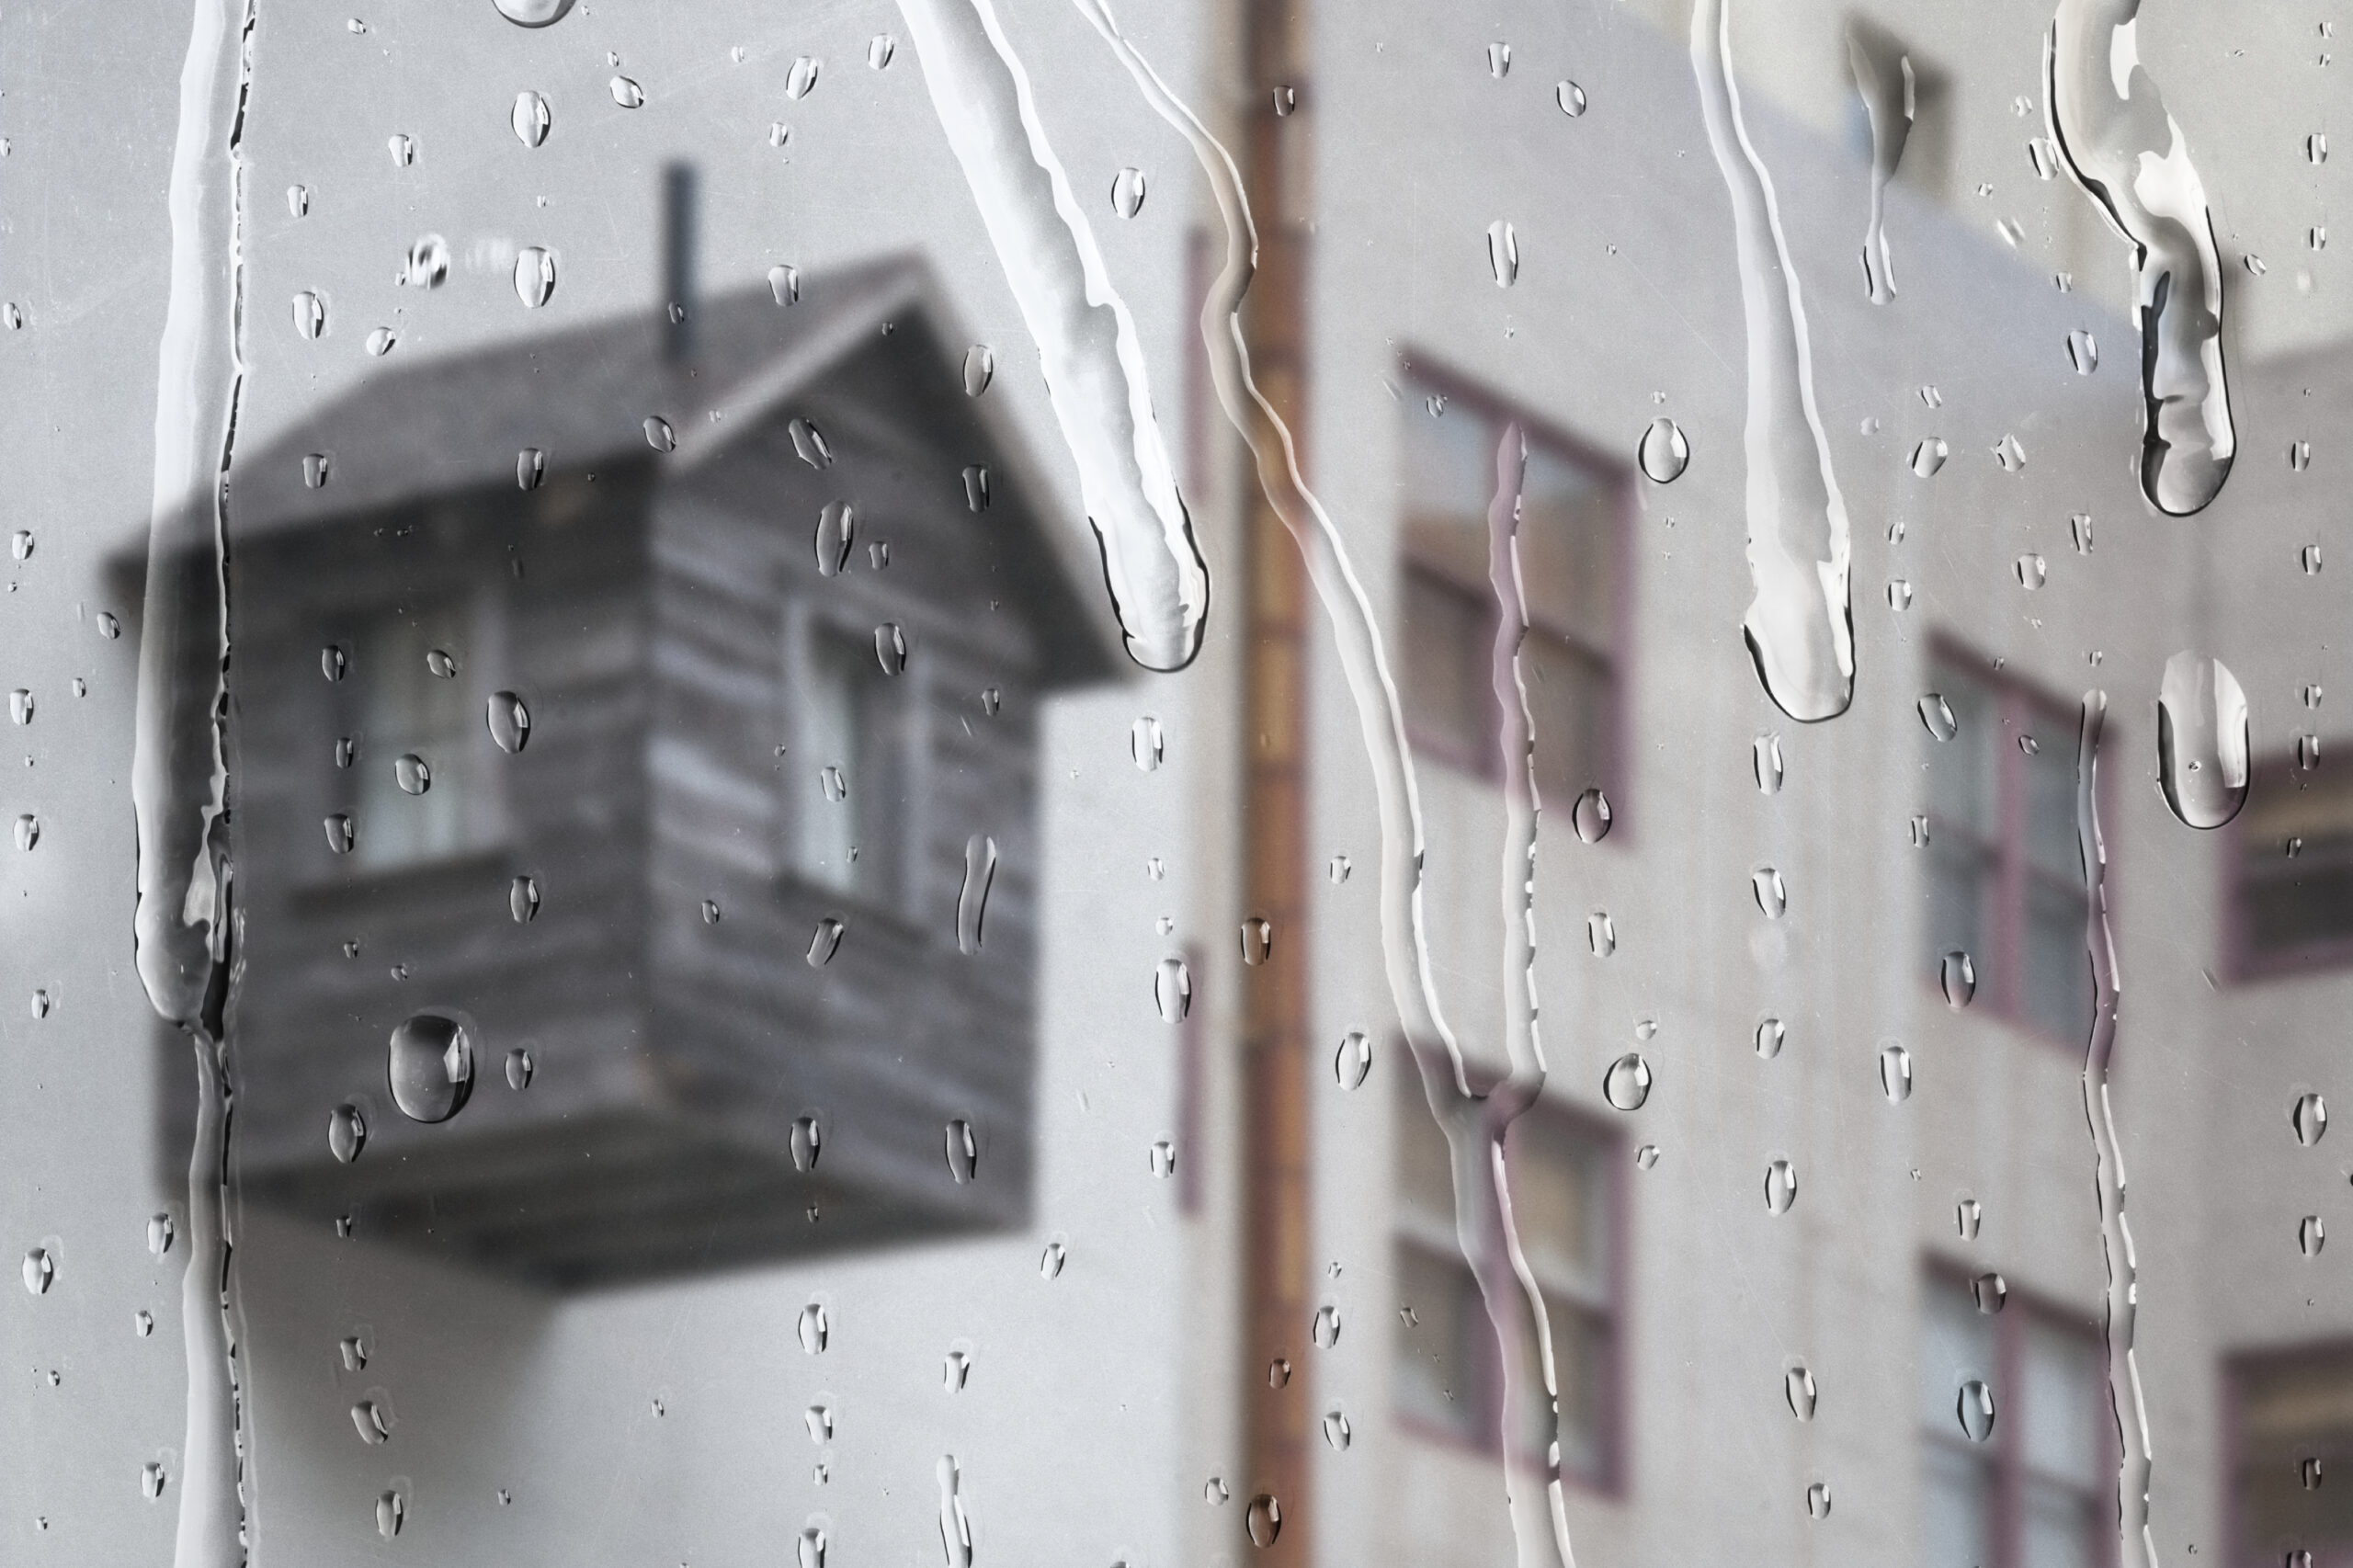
1568	706
853	818
1447	634
2300	901
1441	1365
1561	1198
1961	885
1964	784
2057	965
409	710
2061	1404
2049	775
1583	1368
1956	1508
1956	1346
1570	518
2056	1528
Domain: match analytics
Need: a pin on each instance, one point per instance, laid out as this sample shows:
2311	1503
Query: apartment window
408	779
2292	1449
2024	1476
2292	903
2006	879
1573	509
1448	1373
853	732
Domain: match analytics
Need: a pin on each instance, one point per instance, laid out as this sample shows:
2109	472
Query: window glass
416	717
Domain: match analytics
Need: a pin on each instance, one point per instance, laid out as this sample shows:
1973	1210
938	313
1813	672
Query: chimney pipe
678	263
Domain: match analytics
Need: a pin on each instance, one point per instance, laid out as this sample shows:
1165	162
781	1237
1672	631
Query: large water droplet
310	314
151	1480
374	1424
1937	716
626	91
836	532
1146	743
809	443
1957	974
346	1133
1503	253
808	1141
1663	451
2082	352
980	369
1896	1072
431	1066
1975	1408
534	13
531	118
1257	941
1780	1187
41	1271
1337	1434
1817	1500
317	468
2202	741
535	279
391	1511
1353	1061
1601	934
509	721
811	1547
427	266
519	1068
1172	990
976	488
814	1328
1928	457
160	1232
1771	894
784	284
1770	1037
1265	1519
1591	816
963	1151
20	707
1325	1329
1571	98
2311	1236
412	773
1765	758
2309	1119
890	647
1057	1254
523	899
802	77
340	837
1968	1215
1797	1387
973	898
1627	1084
825	942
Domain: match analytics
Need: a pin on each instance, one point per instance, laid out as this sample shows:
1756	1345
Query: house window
2034	1485
1449	1374
853	732
1571	539
409	700
2293	888
2005	880
2291	1448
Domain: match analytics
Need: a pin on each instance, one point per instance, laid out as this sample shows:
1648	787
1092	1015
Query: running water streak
1889	103
2124	149
179	776
1799	626
1475	1123
1087	343
2136	1547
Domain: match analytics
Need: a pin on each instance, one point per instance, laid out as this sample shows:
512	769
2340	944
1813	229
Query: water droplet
380	341
815	1328
519	1067
531	468
819	1419
1353	1061
976	488
534	13
2009	454
346	1133
1266	1520
339	834
431	1067
535	286
1797	1387
890	647
1257	941
310	314
391	1510
1772	894
412	773
1146	743
427	266
1780	1187
40	1004
1057	1253
810	444
2202	741
2307	752
1770	1037
1340	868
973	898
2082	352
1646	1156
2311	559
1975	1408
316	469
1817	1500
1936	715
963	1151
811	1547
1286	100
403	149
830	780
150	1481
2309	1471
2309	1119
1663	451
1172	990
1571	98
20	707
825	942
881	50
1499	61
784	285
1601	934
1627	1084
1968	1215
1928	457
658	433
1896	1072
531	119
626	93
2032	572
1337	1431
1989	1292
1764	757
110	627
41	1271
1957	973
298	201
2079	528
2310	1235
837	531
374	1427
802	77
1503	253
1591	816
1128	192
1325	1329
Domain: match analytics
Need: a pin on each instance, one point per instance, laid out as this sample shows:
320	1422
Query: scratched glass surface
1227	785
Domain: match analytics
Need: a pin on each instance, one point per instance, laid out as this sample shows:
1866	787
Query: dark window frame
2241	963
2002	1453
2022	708
1484	1439
1419	376
2231	1451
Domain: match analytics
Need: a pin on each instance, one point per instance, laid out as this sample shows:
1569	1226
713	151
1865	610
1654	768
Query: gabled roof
582	396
